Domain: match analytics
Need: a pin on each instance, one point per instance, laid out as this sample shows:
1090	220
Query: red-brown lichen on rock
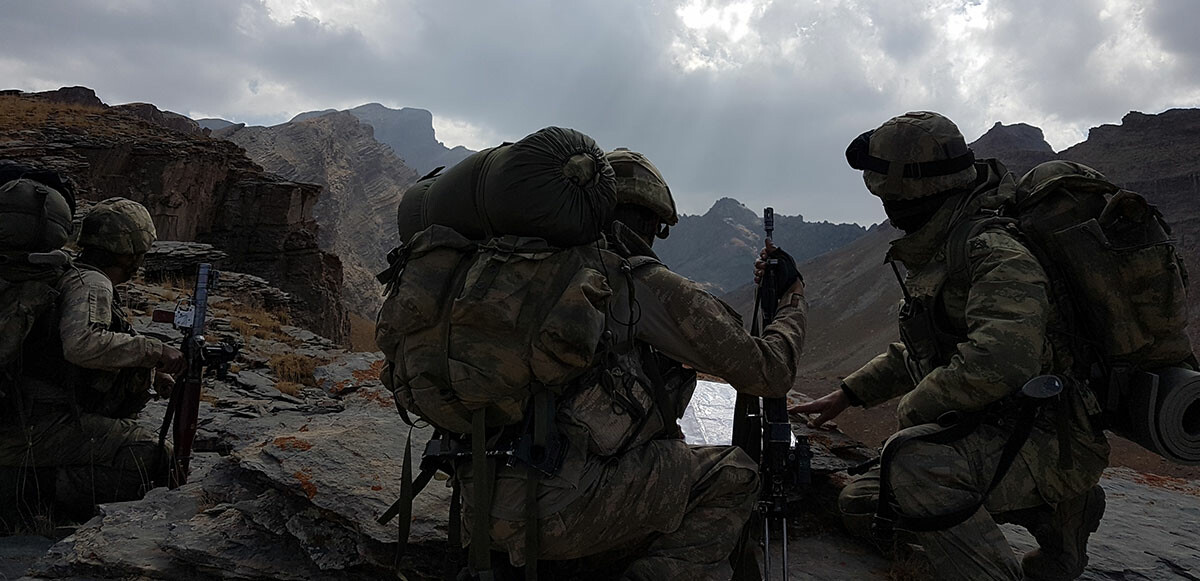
306	484
292	443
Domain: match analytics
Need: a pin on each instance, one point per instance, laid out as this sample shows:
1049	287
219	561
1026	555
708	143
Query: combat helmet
119	226
912	156
641	184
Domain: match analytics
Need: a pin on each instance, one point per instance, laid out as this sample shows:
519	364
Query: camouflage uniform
640	495
85	374
995	324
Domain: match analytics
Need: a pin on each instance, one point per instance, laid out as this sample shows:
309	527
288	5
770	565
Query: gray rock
180	258
18	553
1150	531
350	372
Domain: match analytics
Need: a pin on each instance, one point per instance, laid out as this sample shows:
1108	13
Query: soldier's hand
171	361
827	407
760	265
787	277
163	384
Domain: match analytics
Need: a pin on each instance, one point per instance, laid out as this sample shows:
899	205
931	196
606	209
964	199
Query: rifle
184	406
762	429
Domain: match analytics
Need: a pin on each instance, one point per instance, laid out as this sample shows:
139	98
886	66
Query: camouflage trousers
71	465
931	479
664	510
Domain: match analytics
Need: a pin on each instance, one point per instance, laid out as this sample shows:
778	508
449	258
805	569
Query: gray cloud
759	105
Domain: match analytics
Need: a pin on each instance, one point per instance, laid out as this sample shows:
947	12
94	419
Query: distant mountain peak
408	131
730	208
1015	137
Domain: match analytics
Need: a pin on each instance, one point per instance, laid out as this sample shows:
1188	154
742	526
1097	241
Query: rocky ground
300	448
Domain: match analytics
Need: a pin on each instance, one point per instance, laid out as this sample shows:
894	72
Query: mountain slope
719	247
363	181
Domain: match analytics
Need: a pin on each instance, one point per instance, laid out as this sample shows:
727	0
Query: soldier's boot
1062	538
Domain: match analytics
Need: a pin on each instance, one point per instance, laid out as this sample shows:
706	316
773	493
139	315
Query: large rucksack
496	304
1121	288
482	326
35	223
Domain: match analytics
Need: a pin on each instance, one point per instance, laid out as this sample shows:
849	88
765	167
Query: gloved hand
785	276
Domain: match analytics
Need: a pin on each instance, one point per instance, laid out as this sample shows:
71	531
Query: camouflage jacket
682	321
90	344
994	325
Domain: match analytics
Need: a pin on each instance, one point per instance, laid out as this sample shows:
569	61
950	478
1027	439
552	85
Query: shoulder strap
958	255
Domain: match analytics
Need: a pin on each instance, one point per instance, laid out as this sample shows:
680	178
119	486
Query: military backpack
1120	285
35	223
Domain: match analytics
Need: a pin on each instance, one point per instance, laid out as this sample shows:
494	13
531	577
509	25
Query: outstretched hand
827	407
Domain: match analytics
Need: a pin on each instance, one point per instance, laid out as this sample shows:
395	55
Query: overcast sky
754	99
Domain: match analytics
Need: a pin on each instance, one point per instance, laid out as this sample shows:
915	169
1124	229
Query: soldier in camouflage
633	500
85	374
988	331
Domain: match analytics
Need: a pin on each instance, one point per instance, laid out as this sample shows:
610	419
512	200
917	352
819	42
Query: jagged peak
729	208
1015	137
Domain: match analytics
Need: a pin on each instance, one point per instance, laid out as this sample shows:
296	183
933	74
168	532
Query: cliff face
363	181
719	247
408	131
196	189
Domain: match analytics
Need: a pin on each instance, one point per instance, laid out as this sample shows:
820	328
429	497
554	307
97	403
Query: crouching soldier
84	374
972	338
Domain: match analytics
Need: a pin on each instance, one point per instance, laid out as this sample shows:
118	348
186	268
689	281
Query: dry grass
293	368
251	322
362	334
21	113
289	388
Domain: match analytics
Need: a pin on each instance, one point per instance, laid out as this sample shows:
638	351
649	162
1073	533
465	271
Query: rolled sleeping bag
410	212
553	184
1163	410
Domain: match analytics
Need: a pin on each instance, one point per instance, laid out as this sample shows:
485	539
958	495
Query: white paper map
708	419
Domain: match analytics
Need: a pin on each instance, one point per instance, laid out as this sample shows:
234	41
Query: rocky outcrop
77	96
409	132
363	183
1019	146
168	119
196	189
717	248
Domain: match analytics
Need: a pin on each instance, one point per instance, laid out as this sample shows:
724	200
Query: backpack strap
958	257
479	556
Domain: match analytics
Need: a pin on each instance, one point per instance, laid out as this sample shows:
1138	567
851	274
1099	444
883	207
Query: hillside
195	187
718	248
363	181
408	131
